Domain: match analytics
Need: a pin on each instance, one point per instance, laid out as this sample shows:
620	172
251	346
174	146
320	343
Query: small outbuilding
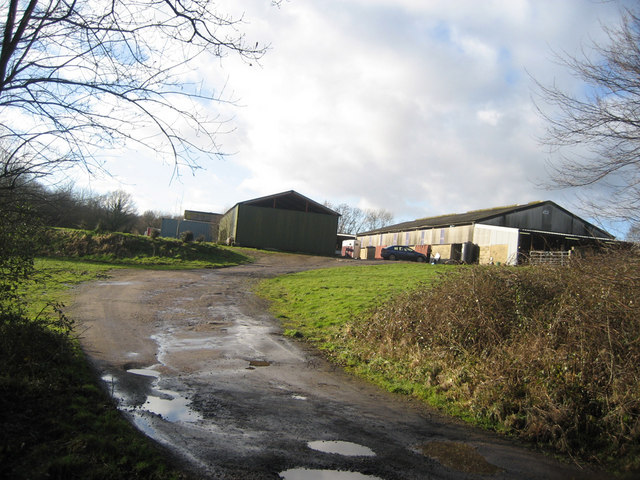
286	221
506	235
201	224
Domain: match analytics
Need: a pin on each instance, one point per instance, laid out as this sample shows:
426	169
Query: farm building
505	235
201	224
285	221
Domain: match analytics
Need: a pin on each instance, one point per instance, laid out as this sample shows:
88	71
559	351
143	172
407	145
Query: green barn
286	221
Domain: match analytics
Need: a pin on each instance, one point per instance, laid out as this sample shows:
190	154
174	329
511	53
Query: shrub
186	236
19	237
548	353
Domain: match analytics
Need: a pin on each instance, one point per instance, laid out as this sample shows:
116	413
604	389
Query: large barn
285	221
505	235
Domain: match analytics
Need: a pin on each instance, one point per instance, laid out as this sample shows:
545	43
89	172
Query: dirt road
198	363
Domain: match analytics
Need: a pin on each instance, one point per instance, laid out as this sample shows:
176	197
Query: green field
317	304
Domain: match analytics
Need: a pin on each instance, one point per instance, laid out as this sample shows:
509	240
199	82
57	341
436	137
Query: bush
19	237
548	353
187	236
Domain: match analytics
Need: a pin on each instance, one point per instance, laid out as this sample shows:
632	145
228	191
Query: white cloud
418	107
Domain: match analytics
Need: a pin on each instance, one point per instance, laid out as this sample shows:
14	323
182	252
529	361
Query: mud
197	363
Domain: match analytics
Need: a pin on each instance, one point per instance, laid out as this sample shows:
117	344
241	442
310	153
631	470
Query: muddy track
197	362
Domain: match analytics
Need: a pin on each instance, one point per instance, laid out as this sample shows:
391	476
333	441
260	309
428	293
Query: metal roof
470	218
290	200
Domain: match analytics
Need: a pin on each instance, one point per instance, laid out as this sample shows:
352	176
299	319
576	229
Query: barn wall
545	217
438	239
172	228
497	244
287	230
227	226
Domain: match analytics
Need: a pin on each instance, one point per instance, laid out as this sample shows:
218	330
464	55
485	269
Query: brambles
549	354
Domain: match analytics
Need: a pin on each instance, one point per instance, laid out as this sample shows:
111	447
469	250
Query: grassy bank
137	250
547	354
57	422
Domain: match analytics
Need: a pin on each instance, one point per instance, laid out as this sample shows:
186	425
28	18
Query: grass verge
547	354
57	422
317	304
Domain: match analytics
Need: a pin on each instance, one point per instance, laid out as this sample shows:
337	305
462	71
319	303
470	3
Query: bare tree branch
604	122
78	77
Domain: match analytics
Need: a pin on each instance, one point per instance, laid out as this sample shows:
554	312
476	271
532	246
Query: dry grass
551	354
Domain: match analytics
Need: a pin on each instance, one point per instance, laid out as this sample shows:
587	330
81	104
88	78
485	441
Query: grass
137	250
316	304
57	422
547	354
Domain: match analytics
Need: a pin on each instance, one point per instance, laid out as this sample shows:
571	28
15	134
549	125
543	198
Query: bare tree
118	212
79	76
353	219
374	219
604	122
633	235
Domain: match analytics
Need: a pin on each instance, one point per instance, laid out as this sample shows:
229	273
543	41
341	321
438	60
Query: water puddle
259	363
348	449
104	284
309	474
145	372
168	404
171	406
459	456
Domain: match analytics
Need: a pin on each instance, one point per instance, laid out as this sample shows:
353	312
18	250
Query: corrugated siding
497	244
286	230
431	236
172	228
227	226
545	217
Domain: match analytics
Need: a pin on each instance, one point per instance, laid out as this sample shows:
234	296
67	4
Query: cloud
418	107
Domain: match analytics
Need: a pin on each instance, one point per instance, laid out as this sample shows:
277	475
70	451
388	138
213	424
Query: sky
419	107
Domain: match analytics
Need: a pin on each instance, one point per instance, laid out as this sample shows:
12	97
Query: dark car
400	252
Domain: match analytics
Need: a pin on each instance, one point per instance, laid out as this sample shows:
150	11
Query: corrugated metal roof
469	218
290	200
455	219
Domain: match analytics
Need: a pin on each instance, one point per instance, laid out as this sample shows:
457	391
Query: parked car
400	252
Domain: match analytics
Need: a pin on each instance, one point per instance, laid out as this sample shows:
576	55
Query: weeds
126	249
549	354
56	423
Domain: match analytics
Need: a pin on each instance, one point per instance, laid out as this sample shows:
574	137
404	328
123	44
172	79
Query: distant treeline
69	207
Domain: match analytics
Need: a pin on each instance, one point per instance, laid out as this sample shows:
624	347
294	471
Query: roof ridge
515	205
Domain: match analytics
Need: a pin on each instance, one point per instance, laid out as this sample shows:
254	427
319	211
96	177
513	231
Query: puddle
308	474
347	449
145	372
171	406
259	363
298	397
104	284
459	456
168	404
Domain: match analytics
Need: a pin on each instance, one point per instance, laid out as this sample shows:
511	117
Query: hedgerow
550	354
